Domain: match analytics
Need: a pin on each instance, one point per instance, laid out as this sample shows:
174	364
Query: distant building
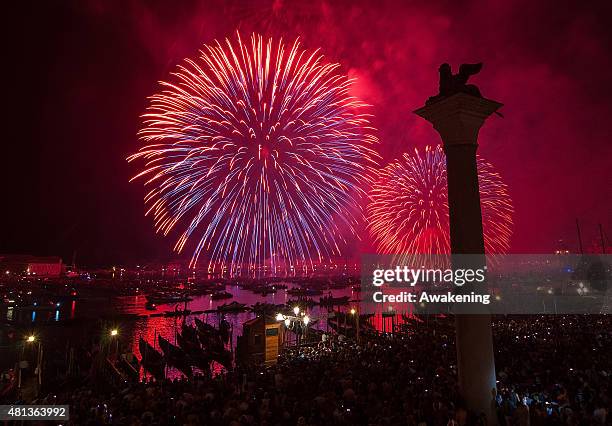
46	267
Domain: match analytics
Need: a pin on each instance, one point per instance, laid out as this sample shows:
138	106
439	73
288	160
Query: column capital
459	117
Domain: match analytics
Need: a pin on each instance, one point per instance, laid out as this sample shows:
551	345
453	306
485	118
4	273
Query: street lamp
297	323
114	333
357	327
30	339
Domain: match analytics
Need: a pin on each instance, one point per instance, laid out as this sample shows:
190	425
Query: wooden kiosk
261	341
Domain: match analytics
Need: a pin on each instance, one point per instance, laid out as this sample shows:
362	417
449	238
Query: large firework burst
408	213
257	154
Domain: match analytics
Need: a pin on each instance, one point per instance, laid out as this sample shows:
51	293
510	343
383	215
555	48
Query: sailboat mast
579	236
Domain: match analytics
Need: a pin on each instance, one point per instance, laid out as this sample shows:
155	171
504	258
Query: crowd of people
552	370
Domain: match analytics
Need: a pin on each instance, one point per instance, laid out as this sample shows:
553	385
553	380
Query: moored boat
175	356
333	301
304	292
233	307
152	361
221	295
189	343
167	297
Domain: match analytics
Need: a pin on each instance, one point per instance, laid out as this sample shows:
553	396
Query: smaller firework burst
408	213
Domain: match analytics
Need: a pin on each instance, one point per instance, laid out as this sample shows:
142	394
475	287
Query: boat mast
601	235
579	236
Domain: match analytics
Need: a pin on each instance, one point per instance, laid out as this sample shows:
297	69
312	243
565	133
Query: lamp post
114	335
293	322
30	340
355	311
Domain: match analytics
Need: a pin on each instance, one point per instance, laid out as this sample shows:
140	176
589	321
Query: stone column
458	119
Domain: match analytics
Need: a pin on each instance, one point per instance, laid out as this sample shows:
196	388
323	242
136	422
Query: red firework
408	213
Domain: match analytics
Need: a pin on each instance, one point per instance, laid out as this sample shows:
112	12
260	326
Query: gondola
223	357
129	364
175	356
152	361
196	355
189	332
212	343
209	336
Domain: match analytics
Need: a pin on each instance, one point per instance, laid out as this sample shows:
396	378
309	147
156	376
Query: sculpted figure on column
451	84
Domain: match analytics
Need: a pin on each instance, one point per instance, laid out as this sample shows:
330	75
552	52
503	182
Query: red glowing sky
80	73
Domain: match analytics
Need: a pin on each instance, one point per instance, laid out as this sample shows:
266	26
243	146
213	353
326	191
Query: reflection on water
167	327
50	325
152	326
149	324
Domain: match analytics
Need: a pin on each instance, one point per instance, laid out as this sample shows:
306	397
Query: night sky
78	74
